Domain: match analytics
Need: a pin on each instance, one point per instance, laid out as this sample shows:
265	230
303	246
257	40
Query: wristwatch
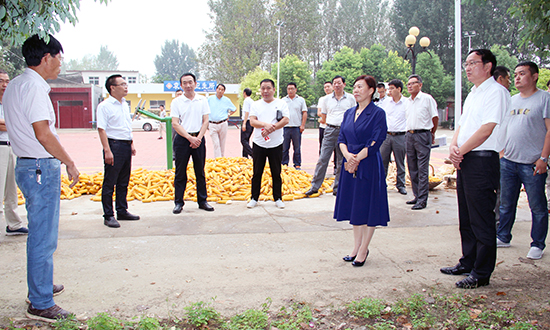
544	159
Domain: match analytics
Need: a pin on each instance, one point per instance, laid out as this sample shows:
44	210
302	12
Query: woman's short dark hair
34	49
371	82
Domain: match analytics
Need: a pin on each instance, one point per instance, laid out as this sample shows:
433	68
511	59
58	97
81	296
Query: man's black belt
120	141
218	122
412	131
194	134
4	143
396	133
333	126
36	158
481	153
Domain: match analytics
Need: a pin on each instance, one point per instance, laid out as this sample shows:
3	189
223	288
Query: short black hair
34	49
532	66
548	83
222	86
327	82
486	57
380	85
161	105
268	80
111	82
501	71
396	83
416	76
292	84
247	91
179	89
336	77
2	71
188	74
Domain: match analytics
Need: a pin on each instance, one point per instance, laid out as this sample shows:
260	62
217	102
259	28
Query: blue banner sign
202	86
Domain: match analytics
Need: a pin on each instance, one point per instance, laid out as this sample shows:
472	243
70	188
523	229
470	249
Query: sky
134	30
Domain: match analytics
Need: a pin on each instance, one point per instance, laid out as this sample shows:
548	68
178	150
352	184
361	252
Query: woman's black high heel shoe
348	258
360	263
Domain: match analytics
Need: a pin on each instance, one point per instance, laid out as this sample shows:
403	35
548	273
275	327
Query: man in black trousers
114	125
190	113
474	152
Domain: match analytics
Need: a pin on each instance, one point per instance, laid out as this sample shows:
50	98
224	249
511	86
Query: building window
156	104
93	80
70	103
132	80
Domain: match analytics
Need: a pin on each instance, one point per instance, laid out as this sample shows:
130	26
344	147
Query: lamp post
410	42
469	35
278	25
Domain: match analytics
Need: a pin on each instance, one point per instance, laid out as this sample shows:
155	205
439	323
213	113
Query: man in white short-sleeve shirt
422	120
114	126
190	114
30	120
268	116
246	128
474	152
332	114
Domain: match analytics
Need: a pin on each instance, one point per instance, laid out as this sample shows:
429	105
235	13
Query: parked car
145	124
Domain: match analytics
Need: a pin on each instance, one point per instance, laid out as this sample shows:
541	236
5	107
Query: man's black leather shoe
419	206
111	222
311	191
471	282
127	216
455	270
402	190
205	206
177	209
412	201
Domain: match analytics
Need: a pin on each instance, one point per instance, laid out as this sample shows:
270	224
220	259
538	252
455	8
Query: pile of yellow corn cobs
227	179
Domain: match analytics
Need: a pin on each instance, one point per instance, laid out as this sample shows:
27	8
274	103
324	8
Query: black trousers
183	153
245	140
477	183
274	156
116	175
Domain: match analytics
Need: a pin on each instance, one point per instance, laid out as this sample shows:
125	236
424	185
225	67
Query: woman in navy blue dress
362	196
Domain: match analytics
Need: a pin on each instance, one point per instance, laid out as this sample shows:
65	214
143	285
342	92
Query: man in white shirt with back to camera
246	128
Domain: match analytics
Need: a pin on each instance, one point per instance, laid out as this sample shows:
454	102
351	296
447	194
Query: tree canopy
104	60
23	18
175	59
294	70
252	80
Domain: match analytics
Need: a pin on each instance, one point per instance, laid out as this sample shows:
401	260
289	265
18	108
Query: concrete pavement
241	256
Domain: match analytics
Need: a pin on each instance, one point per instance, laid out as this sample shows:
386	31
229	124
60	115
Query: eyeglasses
123	85
465	65
412	83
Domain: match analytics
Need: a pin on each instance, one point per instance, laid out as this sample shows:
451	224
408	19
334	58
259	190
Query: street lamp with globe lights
410	42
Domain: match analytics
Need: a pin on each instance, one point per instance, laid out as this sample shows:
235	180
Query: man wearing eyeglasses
114	125
422	119
474	152
30	120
